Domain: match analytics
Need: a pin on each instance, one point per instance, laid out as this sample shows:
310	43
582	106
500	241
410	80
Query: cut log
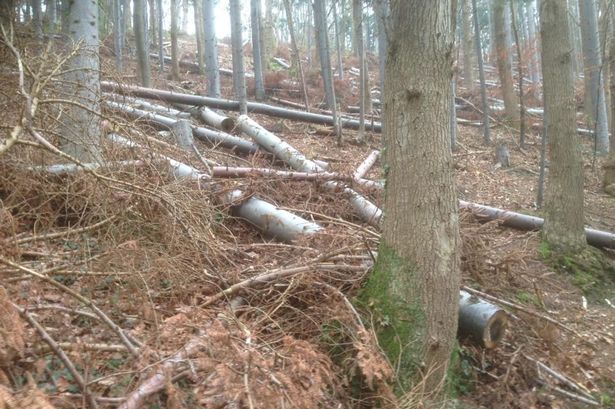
213	137
281	62
272	221
210	117
193	67
366	210
594	237
146	105
366	165
67	168
236	172
480	321
229	105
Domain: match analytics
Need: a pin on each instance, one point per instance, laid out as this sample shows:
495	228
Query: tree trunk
357	19
81	130
564	219
174	44
481	75
515	30
160	35
608	182
595	102
322	40
534	63
416	278
381	10
503	62
52	15
141	43
127	16
239	80
152	22
338	44
211	50
37	19
468	45
268	38
118	35
296	55
255	18
199	34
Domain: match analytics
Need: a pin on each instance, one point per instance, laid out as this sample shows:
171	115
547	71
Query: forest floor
160	249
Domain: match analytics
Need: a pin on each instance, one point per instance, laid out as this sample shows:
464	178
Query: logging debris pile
155	253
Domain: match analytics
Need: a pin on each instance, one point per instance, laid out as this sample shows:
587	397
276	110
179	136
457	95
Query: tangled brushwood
123	285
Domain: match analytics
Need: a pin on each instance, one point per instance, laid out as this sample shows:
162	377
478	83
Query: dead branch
67	232
57	349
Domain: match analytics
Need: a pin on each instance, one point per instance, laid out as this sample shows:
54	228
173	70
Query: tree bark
504	65
174	44
381	10
564	219
338	44
152	21
239	80
127	15
37	19
296	55
255	19
199	34
416	278
595	101
141	43
468	44
81	130
160	35
211	50
357	19
322	40
481	75
534	65
118	35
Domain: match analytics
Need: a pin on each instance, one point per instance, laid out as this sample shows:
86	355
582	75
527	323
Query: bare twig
57	349
67	232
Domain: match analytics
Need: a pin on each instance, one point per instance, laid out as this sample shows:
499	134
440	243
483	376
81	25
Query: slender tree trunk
52	15
118	35
519	76
160	35
127	16
481	75
338	44
357	17
255	18
468	45
64	11
453	117
595	101
296	55
503	62
174	43
415	282
141	43
381	10
199	34
239	79
211	50
152	21
608	182
534	65
37	19
322	40
81	130
563	228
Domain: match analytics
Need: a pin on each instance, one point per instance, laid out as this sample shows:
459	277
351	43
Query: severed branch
57	349
65	233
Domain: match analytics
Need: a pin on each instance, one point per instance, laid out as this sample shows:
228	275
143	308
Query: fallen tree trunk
272	221
139	103
366	165
236	172
210	117
193	67
229	105
480	321
594	237
367	211
213	137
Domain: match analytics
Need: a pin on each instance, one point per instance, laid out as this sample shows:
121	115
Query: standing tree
211	50
416	278
481	75
357	19
118	35
160	34
239	78
174	44
141	43
381	10
504	63
37	19
296	55
127	15
255	19
322	40
338	43
467	44
534	63
595	102
81	129
519	76
564	221
199	34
